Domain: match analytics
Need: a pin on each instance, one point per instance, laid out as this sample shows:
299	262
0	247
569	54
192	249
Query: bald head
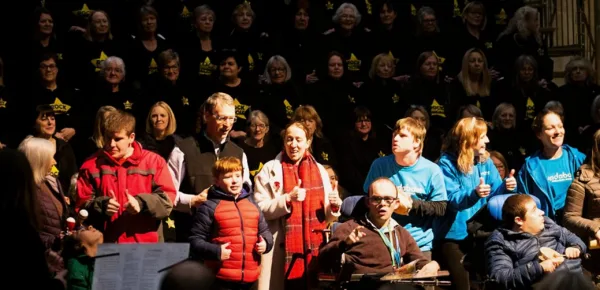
383	185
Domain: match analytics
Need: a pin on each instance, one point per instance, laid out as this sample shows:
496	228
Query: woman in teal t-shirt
548	173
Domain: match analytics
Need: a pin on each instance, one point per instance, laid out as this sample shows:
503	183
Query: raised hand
261	245
483	189
511	182
297	194
112	207
132	206
355	236
225	251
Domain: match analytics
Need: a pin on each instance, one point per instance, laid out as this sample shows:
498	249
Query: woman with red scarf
296	197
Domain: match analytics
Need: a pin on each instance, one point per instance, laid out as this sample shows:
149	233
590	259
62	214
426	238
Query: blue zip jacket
533	180
463	201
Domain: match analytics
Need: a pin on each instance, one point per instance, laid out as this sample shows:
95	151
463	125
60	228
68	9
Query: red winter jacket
222	219
145	176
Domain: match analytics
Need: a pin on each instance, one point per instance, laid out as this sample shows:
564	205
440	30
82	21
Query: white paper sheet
137	266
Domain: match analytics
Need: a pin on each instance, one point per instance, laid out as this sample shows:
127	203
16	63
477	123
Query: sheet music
136	267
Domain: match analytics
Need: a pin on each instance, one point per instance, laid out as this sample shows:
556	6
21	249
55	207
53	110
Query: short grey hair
204	9
113	59
579	62
426	10
271	62
258	115
338	13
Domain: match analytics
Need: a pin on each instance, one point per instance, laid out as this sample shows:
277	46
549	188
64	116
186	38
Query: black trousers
449	254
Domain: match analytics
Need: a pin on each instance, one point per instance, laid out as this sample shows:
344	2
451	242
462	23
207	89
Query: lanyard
395	254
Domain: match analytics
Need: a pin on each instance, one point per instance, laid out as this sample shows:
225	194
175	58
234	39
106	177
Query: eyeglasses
47	67
113	70
277	69
375	200
259	126
170	67
223	119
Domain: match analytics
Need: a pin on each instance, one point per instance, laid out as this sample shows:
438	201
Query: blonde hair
216	99
498	111
472	6
461	139
377	60
98	136
485	82
414	127
39	153
518	24
308	112
172	123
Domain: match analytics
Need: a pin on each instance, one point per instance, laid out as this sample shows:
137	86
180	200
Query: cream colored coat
271	201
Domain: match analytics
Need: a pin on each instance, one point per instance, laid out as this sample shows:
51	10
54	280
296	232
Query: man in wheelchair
529	246
374	243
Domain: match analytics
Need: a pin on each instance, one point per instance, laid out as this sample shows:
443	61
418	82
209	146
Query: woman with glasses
259	145
471	179
295	195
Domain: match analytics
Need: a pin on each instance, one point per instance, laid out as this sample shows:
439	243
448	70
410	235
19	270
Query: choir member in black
251	43
243	91
85	55
577	96
10	129
44	126
259	145
199	51
279	96
144	47
522	36
44	37
499	162
298	44
587	135
351	40
321	147
473	32
362	145
335	97
473	84
430	38
112	90
499	12
322	12
168	86
64	100
382	94
427	90
73	15
177	17
432	146
390	36
527	92
504	136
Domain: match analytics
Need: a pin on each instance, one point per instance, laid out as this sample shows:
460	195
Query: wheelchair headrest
353	206
496	202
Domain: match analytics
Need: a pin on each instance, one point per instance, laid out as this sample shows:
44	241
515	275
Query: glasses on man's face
376	200
223	119
170	67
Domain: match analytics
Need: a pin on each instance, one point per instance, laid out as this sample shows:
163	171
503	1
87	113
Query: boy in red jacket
126	190
229	231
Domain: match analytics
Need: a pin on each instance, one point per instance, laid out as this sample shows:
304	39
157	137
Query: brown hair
299	125
461	139
485	81
513	207
538	122
98	134
118	121
226	165
595	160
308	112
414	127
90	24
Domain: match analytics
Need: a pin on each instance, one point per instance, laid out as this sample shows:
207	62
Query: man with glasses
420	182
374	243
200	153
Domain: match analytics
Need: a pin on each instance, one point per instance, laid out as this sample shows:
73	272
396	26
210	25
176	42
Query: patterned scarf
301	244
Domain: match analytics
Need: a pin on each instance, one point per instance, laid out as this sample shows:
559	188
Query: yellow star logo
3	103
369	7
353	63
325	156
441	60
59	56
59	107
413	10
170	223
501	17
457	12
250	63
207	67
84	11
54	171
254	172
329	5
489	45
351	99
395	98
522	151
392	56
153	67
437	109
289	110
478	104
185	101
185	13
128	105
240	109
97	62
381	154
260	55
